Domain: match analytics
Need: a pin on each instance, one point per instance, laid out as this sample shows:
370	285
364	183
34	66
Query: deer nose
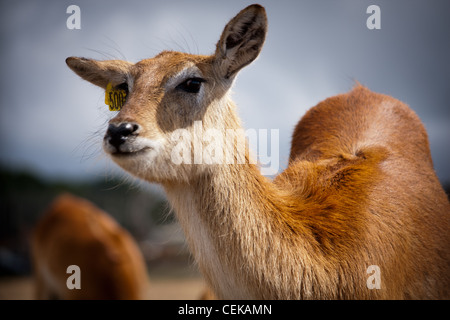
117	134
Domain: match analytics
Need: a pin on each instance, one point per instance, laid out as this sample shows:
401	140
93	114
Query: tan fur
360	189
75	232
207	294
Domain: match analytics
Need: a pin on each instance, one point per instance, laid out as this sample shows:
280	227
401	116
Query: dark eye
191	85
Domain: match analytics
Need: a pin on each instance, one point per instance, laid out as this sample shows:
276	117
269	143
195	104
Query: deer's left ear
241	40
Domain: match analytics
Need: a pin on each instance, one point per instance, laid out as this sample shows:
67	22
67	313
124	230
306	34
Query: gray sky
52	122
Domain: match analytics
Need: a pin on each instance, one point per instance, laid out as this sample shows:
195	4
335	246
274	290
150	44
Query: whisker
104	54
115	46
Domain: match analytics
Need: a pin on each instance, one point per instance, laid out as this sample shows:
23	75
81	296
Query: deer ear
100	73
241	40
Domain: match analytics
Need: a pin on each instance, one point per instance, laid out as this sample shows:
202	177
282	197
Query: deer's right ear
241	40
100	73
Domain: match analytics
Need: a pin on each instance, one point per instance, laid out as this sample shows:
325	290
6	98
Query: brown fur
75	232
360	189
207	294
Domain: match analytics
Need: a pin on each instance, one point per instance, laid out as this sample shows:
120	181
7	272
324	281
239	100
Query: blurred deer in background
360	188
75	232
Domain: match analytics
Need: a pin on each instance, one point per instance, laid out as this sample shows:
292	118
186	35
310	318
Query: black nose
116	135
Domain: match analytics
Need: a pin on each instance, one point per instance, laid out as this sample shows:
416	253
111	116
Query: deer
75	232
359	190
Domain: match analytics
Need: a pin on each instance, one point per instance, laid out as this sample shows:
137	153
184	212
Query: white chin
136	157
136	163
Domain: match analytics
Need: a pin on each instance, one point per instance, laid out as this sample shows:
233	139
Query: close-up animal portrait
207	150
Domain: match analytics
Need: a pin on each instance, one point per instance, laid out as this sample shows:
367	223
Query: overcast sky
52	122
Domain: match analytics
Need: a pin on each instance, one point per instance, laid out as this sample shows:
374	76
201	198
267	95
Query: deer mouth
131	147
130	153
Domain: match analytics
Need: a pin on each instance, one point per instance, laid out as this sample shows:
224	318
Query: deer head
170	92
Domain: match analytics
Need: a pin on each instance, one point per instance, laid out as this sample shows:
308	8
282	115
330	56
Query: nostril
123	129
126	129
130	128
118	134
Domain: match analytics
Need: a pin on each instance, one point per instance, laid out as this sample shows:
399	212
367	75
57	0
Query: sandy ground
191	288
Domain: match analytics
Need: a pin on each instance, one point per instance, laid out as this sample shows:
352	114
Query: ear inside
241	40
100	73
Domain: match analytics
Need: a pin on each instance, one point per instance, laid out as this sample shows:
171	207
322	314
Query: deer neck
231	219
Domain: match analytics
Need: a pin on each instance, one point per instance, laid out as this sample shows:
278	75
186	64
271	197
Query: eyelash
191	85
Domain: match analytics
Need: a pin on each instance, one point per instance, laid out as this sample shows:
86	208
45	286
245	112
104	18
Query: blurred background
52	122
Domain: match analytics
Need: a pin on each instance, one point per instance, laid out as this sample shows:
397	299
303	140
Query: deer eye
191	85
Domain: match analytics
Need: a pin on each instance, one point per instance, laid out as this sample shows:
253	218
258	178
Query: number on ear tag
114	98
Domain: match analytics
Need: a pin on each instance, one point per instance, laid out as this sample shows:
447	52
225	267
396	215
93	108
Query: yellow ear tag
115	98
